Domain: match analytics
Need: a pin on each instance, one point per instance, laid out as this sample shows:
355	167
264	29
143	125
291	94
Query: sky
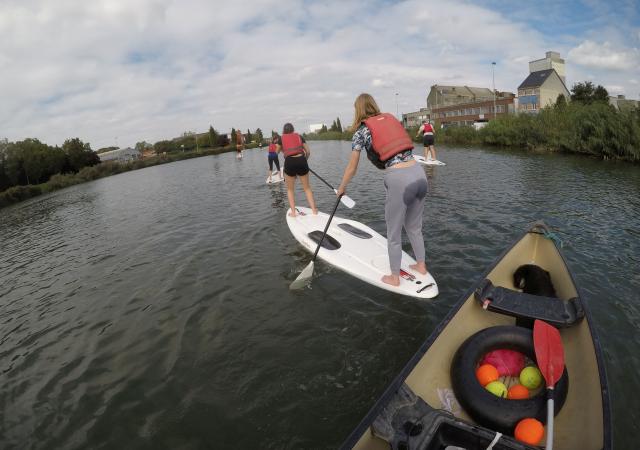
116	72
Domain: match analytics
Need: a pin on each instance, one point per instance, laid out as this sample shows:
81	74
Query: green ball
497	388
530	377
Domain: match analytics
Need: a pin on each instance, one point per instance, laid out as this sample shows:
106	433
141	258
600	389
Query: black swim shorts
296	165
428	140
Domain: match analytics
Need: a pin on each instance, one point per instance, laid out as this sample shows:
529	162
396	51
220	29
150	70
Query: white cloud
605	56
151	69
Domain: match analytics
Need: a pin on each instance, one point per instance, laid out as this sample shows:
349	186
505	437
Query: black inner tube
486	409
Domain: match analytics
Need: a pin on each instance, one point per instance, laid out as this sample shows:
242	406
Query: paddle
550	356
346	200
307	272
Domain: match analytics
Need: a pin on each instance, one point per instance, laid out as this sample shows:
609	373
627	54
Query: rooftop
536	79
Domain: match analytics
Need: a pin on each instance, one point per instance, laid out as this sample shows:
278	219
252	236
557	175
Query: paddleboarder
296	152
428	140
389	147
239	143
272	156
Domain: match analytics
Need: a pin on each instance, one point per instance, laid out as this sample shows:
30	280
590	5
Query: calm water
151	310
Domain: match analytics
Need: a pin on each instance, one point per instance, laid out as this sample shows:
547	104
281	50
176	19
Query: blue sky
117	72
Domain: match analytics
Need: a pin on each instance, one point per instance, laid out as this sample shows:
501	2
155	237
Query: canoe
436	401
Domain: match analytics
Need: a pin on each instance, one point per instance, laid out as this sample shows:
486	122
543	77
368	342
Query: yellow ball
497	388
530	377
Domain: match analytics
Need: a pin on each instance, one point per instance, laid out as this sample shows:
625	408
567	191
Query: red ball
529	431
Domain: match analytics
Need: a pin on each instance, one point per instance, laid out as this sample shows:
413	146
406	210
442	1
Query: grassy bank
59	181
595	130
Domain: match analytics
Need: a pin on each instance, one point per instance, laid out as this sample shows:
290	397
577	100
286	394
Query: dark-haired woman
273	158
296	152
389	147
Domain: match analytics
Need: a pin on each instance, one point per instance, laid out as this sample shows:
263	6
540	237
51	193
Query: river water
151	309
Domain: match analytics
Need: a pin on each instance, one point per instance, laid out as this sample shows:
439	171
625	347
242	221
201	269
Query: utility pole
493	75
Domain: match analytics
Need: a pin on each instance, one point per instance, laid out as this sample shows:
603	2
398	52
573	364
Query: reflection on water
151	309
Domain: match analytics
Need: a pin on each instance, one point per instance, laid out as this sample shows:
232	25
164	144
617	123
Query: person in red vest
389	147
273	157
296	152
428	140
239	143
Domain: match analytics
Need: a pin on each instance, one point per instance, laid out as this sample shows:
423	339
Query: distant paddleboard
276	177
428	162
358	250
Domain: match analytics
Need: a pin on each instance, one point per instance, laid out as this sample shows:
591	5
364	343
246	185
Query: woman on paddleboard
296	152
389	147
273	157
428	140
239	143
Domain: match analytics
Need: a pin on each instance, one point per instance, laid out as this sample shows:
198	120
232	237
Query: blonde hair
365	107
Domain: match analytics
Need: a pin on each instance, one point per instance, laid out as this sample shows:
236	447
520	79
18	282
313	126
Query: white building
551	60
315	127
120	155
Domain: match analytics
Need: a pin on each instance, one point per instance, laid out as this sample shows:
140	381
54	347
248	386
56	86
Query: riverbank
60	181
596	130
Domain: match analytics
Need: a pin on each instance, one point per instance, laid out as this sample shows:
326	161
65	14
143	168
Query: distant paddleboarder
296	152
428	140
389	147
239	143
273	157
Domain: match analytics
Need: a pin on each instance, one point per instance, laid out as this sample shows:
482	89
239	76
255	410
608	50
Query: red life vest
272	148
428	128
388	136
291	144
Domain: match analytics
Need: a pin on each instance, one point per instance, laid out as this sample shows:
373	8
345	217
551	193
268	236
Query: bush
18	193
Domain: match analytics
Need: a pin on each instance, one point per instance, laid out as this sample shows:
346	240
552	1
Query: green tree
248	137
259	136
79	154
587	93
142	146
323	129
561	102
213	136
165	146
338	125
233	136
334	127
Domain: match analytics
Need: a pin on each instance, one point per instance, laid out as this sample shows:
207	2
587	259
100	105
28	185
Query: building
543	85
440	96
540	89
551	60
621	103
415	119
120	155
470	113
315	127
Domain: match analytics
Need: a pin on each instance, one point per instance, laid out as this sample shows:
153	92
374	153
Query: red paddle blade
549	351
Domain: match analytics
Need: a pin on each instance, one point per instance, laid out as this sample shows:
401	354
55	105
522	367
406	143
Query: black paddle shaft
324	233
321	179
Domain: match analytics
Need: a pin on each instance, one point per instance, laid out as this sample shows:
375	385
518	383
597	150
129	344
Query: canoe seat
557	312
407	421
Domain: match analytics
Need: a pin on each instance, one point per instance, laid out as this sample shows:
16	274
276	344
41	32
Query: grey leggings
406	188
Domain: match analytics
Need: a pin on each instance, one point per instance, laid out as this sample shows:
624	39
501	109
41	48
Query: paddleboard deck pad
276	177
358	250
428	162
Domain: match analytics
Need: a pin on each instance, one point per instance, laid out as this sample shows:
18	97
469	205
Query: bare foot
393	280
420	267
315	212
292	214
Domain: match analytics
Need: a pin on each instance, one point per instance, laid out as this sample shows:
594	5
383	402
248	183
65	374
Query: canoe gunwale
397	382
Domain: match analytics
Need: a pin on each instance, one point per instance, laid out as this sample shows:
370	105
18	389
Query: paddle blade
549	351
346	200
303	278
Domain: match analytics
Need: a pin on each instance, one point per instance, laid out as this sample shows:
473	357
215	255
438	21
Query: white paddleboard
428	162
358	250
276	177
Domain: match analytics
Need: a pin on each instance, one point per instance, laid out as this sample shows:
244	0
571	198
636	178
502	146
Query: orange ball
486	373
518	392
529	431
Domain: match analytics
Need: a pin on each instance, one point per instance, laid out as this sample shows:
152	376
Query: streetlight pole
493	75
397	115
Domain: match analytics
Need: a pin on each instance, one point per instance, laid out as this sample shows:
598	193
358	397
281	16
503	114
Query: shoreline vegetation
595	129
